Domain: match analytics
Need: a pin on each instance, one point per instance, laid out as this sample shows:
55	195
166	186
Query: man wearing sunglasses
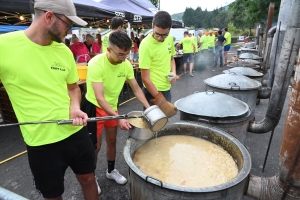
156	62
42	85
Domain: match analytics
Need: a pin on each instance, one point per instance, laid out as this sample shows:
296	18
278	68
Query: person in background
83	38
73	37
80	52
132	48
94	48
196	47
203	43
99	41
156	62
136	44
175	45
189	51
89	39
227	44
219	48
67	42
106	76
50	93
142	36
211	38
116	24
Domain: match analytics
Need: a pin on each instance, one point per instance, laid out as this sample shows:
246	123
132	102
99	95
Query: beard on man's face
55	34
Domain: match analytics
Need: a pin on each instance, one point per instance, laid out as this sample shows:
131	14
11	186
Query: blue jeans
219	53
167	95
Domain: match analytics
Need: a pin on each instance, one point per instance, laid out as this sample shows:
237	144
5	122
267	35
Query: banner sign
137	18
120	14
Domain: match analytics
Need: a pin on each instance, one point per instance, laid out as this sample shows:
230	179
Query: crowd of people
209	48
53	88
52	148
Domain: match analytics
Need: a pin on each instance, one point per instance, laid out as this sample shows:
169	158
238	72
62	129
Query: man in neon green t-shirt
156	63
42	85
107	74
227	44
116	24
203	43
189	51
211	38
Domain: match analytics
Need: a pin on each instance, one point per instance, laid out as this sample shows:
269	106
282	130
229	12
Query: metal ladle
70	121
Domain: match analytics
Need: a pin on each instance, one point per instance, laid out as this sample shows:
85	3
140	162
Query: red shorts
106	123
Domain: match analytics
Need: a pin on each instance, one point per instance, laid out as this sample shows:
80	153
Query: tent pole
128	29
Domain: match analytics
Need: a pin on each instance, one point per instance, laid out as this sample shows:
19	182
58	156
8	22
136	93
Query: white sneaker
98	187
115	175
191	74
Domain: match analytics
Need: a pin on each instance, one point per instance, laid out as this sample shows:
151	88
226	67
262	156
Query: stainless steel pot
245	71
217	109
139	133
142	186
155	118
244	64
238	86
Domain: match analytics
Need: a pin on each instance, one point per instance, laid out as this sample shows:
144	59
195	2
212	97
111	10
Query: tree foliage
243	14
155	3
177	16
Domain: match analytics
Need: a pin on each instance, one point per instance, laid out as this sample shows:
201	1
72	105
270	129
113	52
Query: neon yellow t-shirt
187	43
227	36
35	78
204	42
211	40
195	42
105	42
111	76
156	56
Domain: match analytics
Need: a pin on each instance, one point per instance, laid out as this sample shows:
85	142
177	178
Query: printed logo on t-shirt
121	74
58	67
169	48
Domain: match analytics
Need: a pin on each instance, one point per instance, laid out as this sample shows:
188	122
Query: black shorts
90	110
48	163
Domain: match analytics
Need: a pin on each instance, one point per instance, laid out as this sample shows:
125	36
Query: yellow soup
185	161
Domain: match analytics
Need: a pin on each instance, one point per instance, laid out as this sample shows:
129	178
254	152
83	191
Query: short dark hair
225	29
120	39
220	32
116	22
185	33
162	19
38	13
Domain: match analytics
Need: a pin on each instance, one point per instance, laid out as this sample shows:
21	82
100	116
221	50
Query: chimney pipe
270	20
287	58
286	185
283	20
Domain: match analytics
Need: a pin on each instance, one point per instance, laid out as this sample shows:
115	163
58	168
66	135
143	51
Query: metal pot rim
243	173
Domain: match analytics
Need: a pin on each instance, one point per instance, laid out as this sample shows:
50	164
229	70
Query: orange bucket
82	72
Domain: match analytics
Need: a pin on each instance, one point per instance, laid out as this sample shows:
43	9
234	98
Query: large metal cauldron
143	187
244	64
217	109
251	73
238	86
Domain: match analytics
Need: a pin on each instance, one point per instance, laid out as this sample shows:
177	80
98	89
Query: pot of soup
187	161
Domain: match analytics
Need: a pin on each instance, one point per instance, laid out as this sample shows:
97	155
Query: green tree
246	13
221	19
155	3
188	17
